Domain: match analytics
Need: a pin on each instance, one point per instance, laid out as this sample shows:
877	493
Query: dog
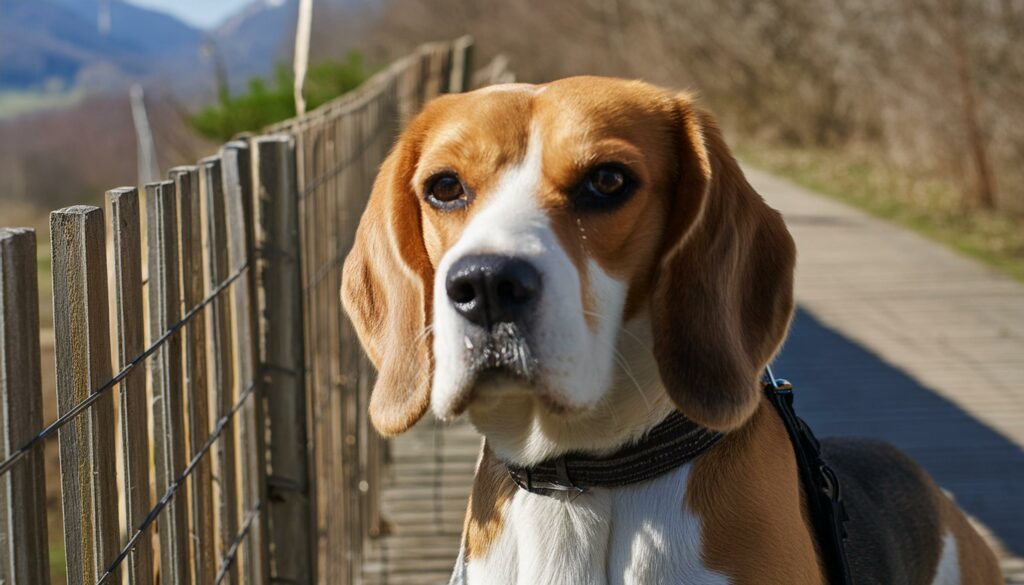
572	266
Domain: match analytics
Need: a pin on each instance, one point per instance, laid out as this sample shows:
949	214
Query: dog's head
567	262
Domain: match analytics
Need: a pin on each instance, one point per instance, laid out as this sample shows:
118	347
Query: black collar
672	443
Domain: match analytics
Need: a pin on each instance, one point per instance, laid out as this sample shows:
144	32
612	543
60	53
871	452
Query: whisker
426	330
629	372
639	341
621	360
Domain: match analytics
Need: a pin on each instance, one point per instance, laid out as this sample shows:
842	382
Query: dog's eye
445	191
604	187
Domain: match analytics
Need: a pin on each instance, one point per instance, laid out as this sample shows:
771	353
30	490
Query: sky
200	13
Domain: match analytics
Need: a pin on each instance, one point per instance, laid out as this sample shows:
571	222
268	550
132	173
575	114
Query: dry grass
929	206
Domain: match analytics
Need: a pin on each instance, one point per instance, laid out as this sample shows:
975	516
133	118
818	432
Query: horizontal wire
154	512
229	557
77	409
345	164
322	272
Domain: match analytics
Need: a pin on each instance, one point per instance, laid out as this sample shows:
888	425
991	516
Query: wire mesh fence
211	394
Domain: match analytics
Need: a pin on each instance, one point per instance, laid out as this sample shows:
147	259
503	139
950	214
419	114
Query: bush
265	103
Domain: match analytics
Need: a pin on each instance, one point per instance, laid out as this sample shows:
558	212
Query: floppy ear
386	290
723	296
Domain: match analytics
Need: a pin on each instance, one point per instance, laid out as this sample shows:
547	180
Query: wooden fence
211	395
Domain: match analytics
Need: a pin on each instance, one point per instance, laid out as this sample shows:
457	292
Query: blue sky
201	13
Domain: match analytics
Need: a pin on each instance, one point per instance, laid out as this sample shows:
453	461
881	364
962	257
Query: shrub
267	102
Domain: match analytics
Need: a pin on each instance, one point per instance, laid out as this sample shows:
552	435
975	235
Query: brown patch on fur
492	490
476	136
628	123
747	494
978	564
723	298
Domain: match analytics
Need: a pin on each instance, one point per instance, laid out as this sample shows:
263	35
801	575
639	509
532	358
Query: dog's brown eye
445	191
607	181
605	187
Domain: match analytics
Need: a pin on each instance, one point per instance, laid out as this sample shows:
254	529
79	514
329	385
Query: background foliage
265	103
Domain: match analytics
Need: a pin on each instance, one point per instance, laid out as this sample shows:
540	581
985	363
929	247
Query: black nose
488	289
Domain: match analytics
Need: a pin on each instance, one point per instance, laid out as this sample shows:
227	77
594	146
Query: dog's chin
497	387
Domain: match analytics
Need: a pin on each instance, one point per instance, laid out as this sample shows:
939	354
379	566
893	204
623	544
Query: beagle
572	265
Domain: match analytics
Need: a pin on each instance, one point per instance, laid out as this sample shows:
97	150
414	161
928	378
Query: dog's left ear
723	295
386	290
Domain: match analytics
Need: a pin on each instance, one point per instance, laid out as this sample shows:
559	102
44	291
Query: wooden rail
227	373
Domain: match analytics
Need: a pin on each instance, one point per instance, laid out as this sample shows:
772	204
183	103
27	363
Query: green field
15	103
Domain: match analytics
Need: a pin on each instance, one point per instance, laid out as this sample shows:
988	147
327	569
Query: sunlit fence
211	395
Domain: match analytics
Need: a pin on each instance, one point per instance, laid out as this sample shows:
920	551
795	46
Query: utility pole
103	17
149	171
305	21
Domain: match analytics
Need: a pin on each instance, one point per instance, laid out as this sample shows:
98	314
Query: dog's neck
674	442
683	527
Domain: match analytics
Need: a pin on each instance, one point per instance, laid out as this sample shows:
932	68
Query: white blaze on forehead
523	87
512	222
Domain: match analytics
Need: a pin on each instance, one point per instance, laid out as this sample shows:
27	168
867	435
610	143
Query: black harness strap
821	486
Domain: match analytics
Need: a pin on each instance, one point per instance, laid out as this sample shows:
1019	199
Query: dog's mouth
501	363
501	352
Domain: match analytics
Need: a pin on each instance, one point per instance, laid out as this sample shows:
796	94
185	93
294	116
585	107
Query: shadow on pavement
844	389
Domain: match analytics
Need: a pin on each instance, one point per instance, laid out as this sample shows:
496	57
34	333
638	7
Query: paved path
896	337
900	338
424	504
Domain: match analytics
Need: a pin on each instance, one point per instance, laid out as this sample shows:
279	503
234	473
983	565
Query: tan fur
747	494
978	564
492	490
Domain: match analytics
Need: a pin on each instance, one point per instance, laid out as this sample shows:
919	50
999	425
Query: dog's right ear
387	289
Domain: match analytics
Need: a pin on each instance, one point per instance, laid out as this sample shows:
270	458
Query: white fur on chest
633	535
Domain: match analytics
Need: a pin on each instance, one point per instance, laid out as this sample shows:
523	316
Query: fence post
282	356
204	557
127	240
462	65
24	554
237	177
220	339
82	344
165	370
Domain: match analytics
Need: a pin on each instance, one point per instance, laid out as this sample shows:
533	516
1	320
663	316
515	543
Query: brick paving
901	338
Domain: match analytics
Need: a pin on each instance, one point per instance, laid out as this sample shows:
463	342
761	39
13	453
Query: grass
58	561
929	206
15	103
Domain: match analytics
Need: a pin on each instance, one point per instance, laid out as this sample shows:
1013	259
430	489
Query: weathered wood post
219	336
204	554
82	347
24	555
236	173
127	287
166	377
280	331
462	65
